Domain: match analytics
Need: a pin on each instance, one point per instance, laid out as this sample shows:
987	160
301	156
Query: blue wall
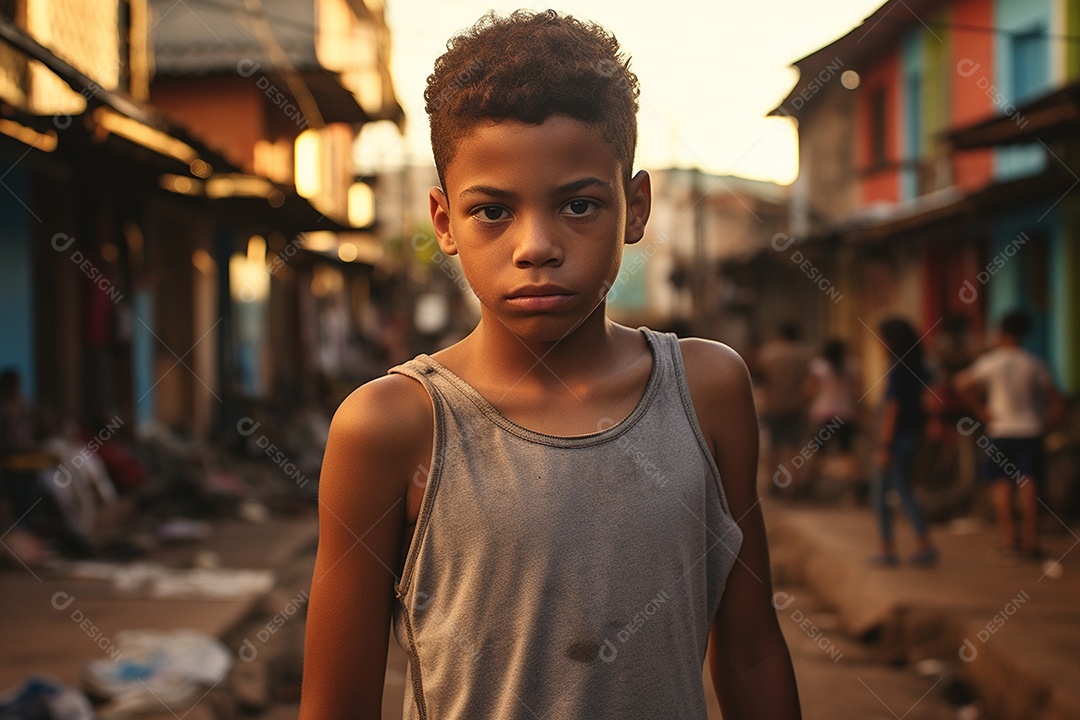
1033	283
1021	72
1058	331
16	279
630	290
911	112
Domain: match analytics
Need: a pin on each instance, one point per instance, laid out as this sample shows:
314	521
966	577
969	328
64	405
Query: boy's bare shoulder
713	367
389	416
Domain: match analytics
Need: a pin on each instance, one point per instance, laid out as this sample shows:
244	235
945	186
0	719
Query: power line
1030	31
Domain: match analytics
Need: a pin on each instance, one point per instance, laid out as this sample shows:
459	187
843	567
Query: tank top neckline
612	430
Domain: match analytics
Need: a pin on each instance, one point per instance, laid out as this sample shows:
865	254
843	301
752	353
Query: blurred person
1014	397
952	352
947	463
20	458
17	418
783	363
900	430
833	381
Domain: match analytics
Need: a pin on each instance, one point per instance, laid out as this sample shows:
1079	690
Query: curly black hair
1016	324
902	341
529	66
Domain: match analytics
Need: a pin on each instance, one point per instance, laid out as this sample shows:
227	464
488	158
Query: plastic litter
158	581
156	670
254	511
44	698
180	530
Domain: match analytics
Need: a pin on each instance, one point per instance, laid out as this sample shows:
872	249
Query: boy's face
538	215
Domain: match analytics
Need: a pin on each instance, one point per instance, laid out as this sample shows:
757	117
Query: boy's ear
638	206
439	207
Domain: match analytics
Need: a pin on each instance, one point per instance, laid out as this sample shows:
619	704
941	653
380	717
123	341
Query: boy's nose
537	244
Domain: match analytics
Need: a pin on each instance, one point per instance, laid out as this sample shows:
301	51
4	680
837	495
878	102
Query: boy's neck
564	387
1008	341
587	349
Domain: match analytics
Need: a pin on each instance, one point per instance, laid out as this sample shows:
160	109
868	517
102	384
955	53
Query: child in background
1021	403
21	458
834	385
558	513
899	434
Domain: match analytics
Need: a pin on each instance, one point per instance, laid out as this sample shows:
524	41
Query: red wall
945	268
878	184
226	113
973	72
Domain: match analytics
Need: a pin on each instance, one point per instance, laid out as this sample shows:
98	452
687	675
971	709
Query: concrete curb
803	558
280	550
1021	669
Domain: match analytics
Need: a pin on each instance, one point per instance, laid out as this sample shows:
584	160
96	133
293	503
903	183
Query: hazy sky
709	70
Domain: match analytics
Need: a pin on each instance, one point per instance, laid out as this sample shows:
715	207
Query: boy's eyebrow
582	183
508	194
487	190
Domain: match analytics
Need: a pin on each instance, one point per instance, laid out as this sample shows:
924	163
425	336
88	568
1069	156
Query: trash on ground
158	581
183	530
155	669
44	698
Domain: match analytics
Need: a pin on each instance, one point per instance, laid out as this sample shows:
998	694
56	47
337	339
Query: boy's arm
749	661
1055	407
378	437
969	387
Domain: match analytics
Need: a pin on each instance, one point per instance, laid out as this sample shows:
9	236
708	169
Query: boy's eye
579	207
491	213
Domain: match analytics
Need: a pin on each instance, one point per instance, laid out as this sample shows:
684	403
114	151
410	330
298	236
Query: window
1030	55
913	116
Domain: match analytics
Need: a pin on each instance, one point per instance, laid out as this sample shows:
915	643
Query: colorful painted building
283	94
152	251
949	220
688	273
80	154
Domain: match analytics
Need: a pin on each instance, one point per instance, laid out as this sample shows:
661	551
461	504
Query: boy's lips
539	297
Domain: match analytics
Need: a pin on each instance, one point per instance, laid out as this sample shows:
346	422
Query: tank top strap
448	390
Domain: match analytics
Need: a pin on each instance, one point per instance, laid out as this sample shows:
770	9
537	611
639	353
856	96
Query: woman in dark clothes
900	432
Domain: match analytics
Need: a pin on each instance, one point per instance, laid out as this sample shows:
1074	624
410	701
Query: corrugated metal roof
204	37
1051	117
196	38
871	39
96	96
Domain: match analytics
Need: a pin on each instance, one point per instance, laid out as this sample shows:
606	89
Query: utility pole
699	281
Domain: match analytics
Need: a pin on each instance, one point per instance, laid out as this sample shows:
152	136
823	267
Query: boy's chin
542	329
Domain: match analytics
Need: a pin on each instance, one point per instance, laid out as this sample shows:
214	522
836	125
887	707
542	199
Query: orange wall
226	113
881	184
973	73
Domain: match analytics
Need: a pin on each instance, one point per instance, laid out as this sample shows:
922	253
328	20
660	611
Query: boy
544	497
1021	403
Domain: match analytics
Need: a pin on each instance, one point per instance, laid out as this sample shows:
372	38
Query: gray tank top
564	577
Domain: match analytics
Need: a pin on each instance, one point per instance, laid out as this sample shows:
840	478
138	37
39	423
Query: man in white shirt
1014	396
